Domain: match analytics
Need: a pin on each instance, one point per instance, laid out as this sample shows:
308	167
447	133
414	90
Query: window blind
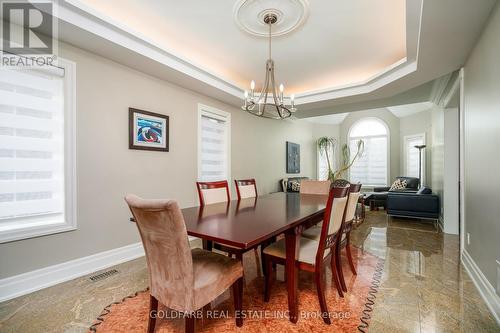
411	155
371	167
214	148
31	144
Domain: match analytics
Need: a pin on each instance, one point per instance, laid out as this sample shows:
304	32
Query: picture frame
292	157
148	130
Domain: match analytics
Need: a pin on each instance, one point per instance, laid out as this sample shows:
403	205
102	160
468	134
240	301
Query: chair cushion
314	233
214	195
307	250
213	274
247	191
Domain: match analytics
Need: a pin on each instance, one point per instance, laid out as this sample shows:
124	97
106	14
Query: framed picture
292	157
147	130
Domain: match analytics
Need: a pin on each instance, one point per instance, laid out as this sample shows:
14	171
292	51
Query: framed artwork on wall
147	130
292	157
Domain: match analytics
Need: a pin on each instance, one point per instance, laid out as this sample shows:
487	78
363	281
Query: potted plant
327	145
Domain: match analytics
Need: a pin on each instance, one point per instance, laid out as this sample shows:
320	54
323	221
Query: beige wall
107	169
416	124
392	122
482	159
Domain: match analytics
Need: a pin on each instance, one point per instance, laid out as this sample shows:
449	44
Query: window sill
33	230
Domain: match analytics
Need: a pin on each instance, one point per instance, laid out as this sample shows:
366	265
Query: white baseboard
26	283
484	287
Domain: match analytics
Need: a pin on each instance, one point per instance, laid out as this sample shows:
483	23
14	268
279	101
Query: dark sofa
415	205
379	195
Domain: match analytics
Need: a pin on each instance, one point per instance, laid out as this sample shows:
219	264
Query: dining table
250	222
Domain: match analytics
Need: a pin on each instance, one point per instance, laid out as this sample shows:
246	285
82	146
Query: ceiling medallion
268	104
290	15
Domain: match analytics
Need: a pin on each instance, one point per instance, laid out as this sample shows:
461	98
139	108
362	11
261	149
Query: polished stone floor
423	288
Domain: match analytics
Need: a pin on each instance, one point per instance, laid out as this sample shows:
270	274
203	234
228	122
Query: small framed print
147	130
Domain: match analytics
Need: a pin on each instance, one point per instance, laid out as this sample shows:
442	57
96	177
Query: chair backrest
246	188
352	202
168	254
315	187
333	219
341	182
213	192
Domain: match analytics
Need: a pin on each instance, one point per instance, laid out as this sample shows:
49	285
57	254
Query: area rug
348	314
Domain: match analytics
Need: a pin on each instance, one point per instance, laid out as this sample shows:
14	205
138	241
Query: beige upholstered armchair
182	279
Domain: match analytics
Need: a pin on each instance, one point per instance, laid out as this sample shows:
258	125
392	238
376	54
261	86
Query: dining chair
217	192
315	186
315	232
246	188
213	192
314	254
181	278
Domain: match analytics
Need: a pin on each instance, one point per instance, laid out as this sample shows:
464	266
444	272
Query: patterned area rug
348	314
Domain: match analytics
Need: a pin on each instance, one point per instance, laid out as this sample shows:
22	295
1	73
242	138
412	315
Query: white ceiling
341	42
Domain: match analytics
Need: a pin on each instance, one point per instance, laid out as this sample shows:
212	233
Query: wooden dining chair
217	192
315	232
182	279
213	192
246	188
313	255
315	186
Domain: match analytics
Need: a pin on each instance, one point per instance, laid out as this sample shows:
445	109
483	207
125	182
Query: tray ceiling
340	42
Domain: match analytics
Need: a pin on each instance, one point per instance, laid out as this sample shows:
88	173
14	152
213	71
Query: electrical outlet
498	278
468	239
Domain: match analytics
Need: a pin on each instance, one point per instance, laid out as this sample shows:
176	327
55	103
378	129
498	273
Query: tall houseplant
327	145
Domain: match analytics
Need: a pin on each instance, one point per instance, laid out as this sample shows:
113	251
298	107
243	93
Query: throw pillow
295	186
398	185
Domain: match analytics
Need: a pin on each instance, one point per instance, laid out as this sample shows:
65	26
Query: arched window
372	167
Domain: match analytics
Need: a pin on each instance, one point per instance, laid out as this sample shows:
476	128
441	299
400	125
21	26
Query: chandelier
268	104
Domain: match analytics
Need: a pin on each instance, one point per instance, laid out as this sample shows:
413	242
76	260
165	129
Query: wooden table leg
292	238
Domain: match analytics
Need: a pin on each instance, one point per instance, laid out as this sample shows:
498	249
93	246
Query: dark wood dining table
256	221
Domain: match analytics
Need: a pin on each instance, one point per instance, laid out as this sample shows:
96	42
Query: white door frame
462	161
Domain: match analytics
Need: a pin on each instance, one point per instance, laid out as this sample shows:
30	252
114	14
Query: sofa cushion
425	190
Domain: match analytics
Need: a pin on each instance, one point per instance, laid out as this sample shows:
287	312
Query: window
411	157
37	151
323	164
214	132
371	169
